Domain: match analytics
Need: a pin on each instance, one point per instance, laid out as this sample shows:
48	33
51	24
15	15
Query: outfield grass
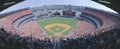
59	25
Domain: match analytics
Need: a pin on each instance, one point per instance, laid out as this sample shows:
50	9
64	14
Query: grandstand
58	21
90	17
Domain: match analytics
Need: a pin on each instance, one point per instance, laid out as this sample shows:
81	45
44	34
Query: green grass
57	28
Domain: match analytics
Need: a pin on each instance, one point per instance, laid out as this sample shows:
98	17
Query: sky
35	3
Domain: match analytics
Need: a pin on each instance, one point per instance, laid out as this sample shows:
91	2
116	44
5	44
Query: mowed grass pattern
57	29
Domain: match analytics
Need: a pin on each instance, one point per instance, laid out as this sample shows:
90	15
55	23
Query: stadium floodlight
4	4
9	3
104	1
113	4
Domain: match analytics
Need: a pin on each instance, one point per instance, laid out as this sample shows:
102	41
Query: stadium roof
7	3
113	4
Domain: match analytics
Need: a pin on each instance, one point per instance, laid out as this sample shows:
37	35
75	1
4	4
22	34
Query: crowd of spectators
15	41
105	17
11	12
106	40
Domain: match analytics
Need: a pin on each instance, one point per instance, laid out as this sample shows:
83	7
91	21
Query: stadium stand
107	40
22	20
8	19
83	28
107	19
96	29
32	28
92	19
7	13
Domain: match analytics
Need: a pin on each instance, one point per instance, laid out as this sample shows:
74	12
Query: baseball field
57	26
